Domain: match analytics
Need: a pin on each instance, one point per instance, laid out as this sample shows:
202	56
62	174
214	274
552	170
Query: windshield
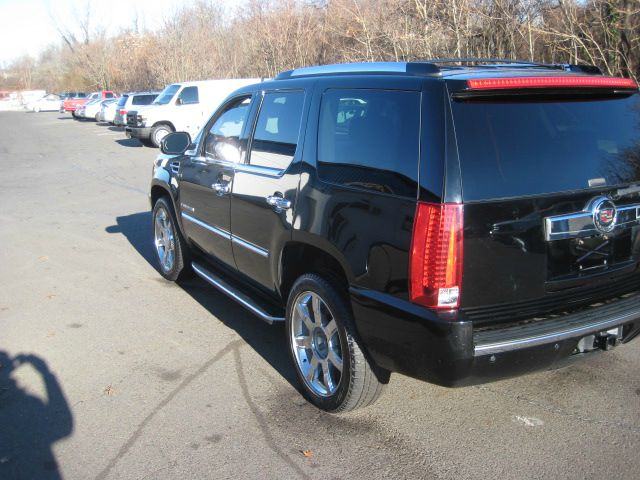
166	95
519	148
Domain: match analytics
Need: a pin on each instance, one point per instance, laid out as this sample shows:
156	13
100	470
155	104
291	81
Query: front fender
165	183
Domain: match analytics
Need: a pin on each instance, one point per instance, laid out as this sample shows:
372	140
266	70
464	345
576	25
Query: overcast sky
26	26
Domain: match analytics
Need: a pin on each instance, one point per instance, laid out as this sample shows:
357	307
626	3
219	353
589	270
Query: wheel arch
164	122
161	189
298	258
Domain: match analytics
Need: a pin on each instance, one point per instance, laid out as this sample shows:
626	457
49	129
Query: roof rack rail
482	60
415	68
427	67
591	69
578	68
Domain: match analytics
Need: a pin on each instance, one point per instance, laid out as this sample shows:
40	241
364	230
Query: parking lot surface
107	371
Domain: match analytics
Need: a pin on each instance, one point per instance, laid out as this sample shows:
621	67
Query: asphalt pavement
107	371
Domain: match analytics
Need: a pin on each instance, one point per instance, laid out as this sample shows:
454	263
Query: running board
234	293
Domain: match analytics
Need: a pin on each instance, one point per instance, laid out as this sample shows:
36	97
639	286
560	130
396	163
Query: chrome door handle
222	188
278	203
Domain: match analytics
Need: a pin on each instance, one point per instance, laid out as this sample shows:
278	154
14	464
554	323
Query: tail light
435	265
123	112
503	83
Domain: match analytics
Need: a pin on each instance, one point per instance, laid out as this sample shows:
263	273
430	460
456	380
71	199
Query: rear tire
171	249
334	372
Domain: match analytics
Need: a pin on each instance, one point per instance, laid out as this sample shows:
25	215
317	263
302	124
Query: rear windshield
122	100
143	99
521	148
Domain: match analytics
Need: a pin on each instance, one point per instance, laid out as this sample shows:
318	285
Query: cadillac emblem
604	214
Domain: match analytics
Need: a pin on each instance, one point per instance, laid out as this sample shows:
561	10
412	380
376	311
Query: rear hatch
548	178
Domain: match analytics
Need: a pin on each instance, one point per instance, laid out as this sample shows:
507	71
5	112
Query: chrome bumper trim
573	328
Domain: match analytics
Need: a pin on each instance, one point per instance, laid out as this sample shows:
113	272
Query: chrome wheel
316	344
164	239
159	134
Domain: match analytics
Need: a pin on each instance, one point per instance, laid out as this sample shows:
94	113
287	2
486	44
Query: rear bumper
406	338
137	132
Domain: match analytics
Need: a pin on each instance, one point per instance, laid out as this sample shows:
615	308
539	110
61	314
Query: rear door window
277	128
370	139
523	148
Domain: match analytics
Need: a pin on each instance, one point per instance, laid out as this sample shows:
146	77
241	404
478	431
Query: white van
181	107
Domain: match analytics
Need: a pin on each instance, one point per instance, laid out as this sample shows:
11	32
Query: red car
70	104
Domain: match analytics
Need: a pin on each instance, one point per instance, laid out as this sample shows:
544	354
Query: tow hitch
606	340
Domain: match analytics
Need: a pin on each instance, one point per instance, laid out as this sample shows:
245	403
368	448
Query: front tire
334	373
172	251
158	133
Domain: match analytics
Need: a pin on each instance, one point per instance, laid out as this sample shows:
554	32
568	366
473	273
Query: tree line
261	38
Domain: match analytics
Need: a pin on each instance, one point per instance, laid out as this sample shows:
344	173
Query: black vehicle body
527	301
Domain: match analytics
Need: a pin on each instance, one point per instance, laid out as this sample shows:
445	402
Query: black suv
455	222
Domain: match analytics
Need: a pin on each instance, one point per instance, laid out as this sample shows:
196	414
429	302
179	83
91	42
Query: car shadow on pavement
267	340
29	425
137	229
129	142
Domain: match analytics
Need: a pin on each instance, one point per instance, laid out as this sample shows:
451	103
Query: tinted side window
276	135
143	99
189	95
370	139
223	140
109	95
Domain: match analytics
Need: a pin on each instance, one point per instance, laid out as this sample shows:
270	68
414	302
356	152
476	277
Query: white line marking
527	421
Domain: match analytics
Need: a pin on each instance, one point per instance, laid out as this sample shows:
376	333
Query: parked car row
148	116
183	106
48	103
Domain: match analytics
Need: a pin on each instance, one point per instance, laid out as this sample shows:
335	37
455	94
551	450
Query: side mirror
175	143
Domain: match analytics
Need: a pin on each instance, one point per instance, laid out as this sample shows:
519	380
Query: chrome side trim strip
272	172
223	233
235	295
250	246
583	330
216	230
